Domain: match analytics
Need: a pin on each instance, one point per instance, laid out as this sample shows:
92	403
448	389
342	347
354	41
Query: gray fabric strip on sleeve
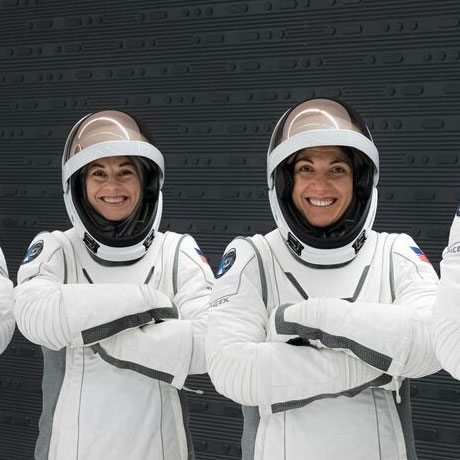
289	405
152	373
103	331
369	356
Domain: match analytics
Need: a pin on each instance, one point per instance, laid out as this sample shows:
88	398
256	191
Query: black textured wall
210	79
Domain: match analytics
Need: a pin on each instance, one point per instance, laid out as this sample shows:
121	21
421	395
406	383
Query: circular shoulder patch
227	261
33	252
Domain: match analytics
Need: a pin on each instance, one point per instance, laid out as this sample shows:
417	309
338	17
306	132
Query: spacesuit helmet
103	134
323	122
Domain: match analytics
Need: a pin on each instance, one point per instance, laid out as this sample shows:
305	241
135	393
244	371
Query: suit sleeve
174	349
394	338
446	315
274	376
6	306
52	313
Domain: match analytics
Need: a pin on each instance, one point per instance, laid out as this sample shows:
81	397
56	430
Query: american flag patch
202	256
420	254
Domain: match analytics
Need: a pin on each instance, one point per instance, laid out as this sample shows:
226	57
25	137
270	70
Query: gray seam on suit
176	263
360	284
152	373
392	278
263	279
296	404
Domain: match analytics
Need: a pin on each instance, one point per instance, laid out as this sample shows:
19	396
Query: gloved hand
159	351
274	336
162	308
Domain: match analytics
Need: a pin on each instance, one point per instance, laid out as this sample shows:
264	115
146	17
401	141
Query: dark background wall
210	79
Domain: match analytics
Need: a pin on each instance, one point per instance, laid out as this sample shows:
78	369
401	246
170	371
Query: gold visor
313	115
108	125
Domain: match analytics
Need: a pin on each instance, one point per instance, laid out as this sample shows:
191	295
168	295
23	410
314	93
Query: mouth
115	200
321	203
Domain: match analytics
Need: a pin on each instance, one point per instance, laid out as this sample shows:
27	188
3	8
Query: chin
320	222
114	218
320	225
313	218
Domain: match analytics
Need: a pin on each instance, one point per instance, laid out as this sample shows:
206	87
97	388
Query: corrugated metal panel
210	79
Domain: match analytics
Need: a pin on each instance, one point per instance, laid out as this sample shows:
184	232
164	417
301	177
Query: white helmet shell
100	135
316	123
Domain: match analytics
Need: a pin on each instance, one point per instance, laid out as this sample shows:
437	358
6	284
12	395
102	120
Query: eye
97	173
127	173
339	170
303	168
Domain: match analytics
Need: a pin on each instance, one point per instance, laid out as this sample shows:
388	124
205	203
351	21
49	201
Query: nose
319	181
112	181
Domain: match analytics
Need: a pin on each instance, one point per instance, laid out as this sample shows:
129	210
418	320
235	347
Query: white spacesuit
446	313
118	307
318	325
6	306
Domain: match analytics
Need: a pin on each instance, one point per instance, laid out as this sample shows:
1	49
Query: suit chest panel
366	278
149	269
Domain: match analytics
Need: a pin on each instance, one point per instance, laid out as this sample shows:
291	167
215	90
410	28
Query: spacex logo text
218	302
453	249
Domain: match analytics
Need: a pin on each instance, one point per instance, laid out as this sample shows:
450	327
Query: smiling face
323	184
113	187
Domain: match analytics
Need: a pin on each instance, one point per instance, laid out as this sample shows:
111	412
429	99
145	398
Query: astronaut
118	307
446	313
6	306
316	325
